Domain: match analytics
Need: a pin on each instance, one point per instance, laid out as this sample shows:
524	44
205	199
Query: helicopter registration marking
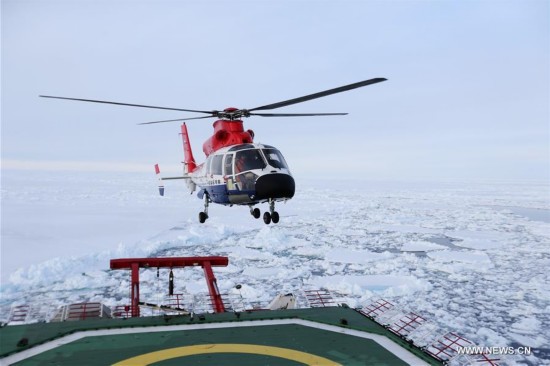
289	354
214	182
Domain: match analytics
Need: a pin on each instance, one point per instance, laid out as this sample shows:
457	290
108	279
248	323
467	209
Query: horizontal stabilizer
161	185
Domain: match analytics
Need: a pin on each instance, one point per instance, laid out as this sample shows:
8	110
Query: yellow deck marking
289	354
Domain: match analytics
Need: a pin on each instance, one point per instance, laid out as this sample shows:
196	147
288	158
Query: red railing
19	313
319	298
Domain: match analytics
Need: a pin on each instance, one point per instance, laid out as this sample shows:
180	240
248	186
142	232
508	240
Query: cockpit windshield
275	158
248	160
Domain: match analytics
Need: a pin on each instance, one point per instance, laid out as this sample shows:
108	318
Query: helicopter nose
275	186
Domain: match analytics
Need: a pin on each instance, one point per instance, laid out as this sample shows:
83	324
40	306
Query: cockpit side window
248	160
275	158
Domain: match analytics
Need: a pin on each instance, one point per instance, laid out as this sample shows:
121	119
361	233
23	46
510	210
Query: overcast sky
467	95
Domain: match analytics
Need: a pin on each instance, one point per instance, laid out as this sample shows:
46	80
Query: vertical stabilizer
189	160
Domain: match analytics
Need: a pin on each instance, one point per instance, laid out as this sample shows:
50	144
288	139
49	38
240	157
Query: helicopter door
228	172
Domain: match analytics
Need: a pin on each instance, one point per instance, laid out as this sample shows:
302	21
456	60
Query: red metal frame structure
319	298
446	346
407	324
19	313
134	264
376	308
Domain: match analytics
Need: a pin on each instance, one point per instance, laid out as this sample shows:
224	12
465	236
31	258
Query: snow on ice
471	257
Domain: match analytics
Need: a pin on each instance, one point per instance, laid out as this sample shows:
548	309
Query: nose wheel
271	215
255	212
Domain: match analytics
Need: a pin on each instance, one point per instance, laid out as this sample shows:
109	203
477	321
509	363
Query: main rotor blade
296	114
125	104
174	120
318	95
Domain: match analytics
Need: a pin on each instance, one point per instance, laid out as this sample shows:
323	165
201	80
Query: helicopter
237	171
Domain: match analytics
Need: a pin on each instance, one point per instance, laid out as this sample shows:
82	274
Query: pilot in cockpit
246	160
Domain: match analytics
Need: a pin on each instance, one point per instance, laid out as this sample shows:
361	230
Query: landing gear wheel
204	215
267	218
272	215
256	213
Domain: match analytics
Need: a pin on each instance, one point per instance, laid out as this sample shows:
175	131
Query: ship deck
316	336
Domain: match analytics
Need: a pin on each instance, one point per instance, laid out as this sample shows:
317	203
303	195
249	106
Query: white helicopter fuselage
244	174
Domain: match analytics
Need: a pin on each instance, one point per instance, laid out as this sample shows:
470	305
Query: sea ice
487	278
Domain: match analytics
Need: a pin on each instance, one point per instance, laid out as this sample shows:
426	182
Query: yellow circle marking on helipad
289	354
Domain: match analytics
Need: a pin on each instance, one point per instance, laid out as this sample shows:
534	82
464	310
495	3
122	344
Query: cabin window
248	160
207	164
228	165
275	158
216	165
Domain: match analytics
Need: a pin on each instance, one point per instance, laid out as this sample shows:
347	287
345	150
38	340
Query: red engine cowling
227	133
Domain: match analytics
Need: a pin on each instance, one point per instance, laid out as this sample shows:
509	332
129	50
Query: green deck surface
102	350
